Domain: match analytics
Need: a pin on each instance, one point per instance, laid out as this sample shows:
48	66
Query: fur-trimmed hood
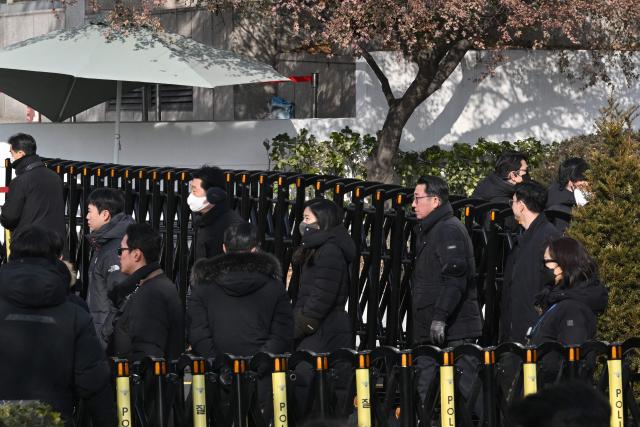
237	274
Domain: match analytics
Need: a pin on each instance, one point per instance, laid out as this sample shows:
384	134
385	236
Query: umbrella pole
116	137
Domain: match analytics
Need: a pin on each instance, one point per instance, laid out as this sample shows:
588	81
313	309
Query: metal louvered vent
172	98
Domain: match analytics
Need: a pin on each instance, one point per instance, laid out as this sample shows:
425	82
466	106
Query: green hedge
32	414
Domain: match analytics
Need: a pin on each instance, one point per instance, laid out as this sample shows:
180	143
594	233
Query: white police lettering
113	268
570	322
451	247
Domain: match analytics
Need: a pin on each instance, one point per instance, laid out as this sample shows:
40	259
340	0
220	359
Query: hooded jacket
238	305
493	189
324	290
570	313
35	197
104	272
210	227
48	346
443	282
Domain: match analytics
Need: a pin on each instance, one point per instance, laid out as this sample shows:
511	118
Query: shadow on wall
527	96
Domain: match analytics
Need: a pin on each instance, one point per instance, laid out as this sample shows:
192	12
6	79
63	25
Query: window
172	98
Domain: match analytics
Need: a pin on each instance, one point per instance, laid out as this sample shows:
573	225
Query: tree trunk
433	71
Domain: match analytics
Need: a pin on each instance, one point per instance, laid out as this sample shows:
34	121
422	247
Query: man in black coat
212	214
239	305
48	345
444	301
35	195
151	322
245	285
108	224
525	273
511	169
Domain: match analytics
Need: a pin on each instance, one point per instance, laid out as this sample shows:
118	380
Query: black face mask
526	177
308	228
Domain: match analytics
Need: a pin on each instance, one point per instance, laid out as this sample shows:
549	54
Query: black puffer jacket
35	198
570	313
48	346
238	305
324	289
493	189
104	272
443	283
210	227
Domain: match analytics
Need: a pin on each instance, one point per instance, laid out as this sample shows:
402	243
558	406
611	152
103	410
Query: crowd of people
238	302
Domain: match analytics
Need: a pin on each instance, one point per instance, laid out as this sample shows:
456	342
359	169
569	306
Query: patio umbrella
66	72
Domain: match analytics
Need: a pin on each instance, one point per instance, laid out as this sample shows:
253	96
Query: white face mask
196	204
580	197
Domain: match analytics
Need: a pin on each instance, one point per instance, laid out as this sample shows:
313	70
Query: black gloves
437	332
304	325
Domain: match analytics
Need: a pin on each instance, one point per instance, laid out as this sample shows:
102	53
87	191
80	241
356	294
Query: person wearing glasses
444	297
524	274
511	169
150	322
107	224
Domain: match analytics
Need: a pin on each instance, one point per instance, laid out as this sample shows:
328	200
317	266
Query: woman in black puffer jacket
321	322
570	307
326	250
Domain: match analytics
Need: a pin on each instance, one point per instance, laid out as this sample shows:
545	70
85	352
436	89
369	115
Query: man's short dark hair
532	194
211	176
23	142
144	238
570	404
435	186
241	237
509	161
36	242
572	169
107	199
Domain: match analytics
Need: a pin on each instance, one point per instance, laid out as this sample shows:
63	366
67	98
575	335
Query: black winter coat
152	323
570	313
104	272
559	196
443	282
324	290
525	275
494	189
48	346
35	197
239	305
210	228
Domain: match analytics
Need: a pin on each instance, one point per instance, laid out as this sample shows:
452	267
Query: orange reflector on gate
532	356
298	182
378	195
244	179
467	211
154	176
157	368
493	215
280	181
98	172
318	185
113	173
261	180
140	174
358	192
84	171
168	176
58	169
406	360
399	199
337	190
126	173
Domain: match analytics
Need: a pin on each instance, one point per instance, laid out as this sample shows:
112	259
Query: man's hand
437	332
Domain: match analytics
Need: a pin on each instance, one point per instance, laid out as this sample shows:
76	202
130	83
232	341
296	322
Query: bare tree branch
386	88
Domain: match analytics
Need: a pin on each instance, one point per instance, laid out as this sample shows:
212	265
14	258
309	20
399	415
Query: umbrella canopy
66	72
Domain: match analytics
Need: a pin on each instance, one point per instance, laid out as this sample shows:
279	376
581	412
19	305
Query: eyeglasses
121	250
424	197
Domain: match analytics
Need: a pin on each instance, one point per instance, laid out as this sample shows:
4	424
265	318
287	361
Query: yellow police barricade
198	393
529	374
123	393
363	390
447	399
279	386
614	365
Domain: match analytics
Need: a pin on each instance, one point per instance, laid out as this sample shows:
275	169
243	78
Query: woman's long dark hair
571	255
327	216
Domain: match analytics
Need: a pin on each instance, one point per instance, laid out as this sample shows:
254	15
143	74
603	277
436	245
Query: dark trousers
467	368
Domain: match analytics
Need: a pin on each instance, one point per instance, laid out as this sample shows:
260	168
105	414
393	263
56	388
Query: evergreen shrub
28	413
